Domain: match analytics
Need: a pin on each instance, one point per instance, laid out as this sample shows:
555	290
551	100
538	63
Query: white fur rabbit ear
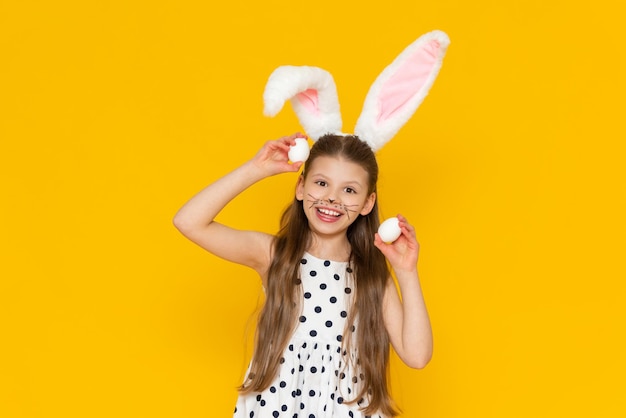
313	97
400	89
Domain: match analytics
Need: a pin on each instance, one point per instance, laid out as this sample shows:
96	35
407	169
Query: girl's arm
406	320
195	219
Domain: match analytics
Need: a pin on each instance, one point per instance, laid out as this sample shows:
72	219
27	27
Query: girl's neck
335	248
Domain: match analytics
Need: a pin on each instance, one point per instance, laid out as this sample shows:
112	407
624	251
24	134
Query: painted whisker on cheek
348	210
314	200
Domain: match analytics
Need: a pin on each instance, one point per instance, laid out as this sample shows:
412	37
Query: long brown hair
278	316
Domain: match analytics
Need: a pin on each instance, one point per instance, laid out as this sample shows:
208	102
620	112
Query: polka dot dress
312	380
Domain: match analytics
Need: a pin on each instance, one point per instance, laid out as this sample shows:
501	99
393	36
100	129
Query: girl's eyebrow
349	182
354	184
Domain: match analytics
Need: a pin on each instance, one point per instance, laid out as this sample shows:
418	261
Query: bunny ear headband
389	104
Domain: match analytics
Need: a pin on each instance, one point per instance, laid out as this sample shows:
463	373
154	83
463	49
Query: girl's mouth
328	212
328	215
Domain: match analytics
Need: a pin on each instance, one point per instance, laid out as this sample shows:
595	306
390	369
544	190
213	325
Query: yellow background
113	113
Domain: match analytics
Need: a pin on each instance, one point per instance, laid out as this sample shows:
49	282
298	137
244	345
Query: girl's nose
331	200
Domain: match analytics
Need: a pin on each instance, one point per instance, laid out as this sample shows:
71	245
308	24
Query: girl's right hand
273	159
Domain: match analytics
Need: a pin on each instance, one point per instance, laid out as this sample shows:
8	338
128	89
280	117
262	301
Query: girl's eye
350	190
321	183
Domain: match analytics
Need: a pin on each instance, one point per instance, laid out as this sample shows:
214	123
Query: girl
332	308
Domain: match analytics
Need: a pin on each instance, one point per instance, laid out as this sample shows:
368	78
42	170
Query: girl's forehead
338	168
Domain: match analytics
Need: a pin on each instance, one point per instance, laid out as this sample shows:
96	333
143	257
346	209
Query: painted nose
331	200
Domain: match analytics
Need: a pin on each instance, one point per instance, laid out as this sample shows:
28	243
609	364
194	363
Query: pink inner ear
308	99
407	81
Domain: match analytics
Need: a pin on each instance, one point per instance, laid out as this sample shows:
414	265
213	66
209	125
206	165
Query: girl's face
334	193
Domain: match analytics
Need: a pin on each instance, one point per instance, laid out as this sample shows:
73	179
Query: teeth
329	212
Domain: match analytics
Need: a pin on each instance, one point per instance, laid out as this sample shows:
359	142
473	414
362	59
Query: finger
409	228
282	144
409	233
285	141
378	242
403	222
291	139
383	246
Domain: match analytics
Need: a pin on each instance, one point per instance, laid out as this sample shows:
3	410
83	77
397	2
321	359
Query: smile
328	212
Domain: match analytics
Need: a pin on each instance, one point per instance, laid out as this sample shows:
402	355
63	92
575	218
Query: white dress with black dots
312	381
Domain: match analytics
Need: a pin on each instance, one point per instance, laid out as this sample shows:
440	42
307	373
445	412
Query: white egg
299	151
389	230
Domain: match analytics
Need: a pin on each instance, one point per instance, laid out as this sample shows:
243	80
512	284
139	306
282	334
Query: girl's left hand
403	252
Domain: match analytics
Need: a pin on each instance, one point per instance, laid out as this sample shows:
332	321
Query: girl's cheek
352	203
